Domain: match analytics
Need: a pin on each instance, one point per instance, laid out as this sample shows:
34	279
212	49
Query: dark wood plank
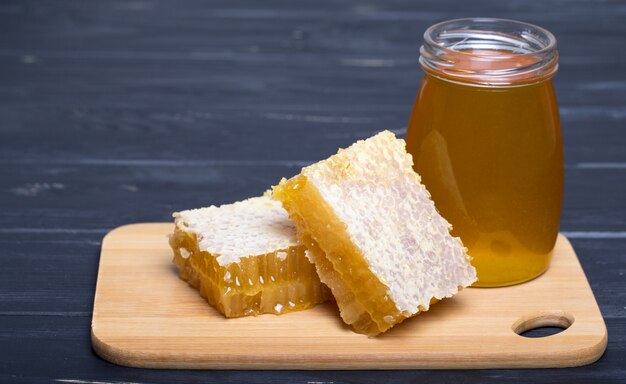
108	194
592	134
123	111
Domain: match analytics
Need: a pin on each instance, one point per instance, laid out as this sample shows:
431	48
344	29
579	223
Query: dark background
113	112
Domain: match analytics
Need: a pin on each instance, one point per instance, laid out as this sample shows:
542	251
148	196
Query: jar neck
489	52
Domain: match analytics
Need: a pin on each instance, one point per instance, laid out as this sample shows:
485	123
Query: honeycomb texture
274	277
374	234
261	221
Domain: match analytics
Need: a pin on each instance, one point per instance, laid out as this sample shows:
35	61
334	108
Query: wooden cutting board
144	316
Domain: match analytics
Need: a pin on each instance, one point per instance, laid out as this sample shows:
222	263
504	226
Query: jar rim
465	50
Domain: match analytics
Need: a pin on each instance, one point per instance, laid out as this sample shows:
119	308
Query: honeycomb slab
374	234
244	258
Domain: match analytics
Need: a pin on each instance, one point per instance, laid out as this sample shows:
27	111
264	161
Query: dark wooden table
113	112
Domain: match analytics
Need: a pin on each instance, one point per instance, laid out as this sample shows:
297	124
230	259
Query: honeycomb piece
374	234
244	259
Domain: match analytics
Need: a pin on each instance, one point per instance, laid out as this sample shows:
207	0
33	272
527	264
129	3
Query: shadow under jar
486	139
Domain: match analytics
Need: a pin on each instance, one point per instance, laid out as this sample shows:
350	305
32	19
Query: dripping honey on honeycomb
244	259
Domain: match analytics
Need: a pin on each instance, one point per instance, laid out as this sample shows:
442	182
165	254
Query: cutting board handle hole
543	323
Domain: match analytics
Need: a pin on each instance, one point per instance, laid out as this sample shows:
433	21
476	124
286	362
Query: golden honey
363	298
486	139
374	234
277	282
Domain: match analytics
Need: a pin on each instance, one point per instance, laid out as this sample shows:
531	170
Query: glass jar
486	140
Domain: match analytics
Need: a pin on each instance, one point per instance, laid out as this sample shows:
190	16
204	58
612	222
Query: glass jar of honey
486	139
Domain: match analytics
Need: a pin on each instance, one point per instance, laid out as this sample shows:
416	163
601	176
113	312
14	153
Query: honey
486	139
374	234
278	282
362	297
244	258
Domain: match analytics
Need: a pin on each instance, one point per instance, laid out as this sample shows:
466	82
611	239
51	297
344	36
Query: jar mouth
489	52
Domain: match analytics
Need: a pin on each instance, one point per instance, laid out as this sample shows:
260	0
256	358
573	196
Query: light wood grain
144	316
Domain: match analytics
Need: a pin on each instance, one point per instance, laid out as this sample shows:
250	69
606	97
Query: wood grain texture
144	316
138	108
